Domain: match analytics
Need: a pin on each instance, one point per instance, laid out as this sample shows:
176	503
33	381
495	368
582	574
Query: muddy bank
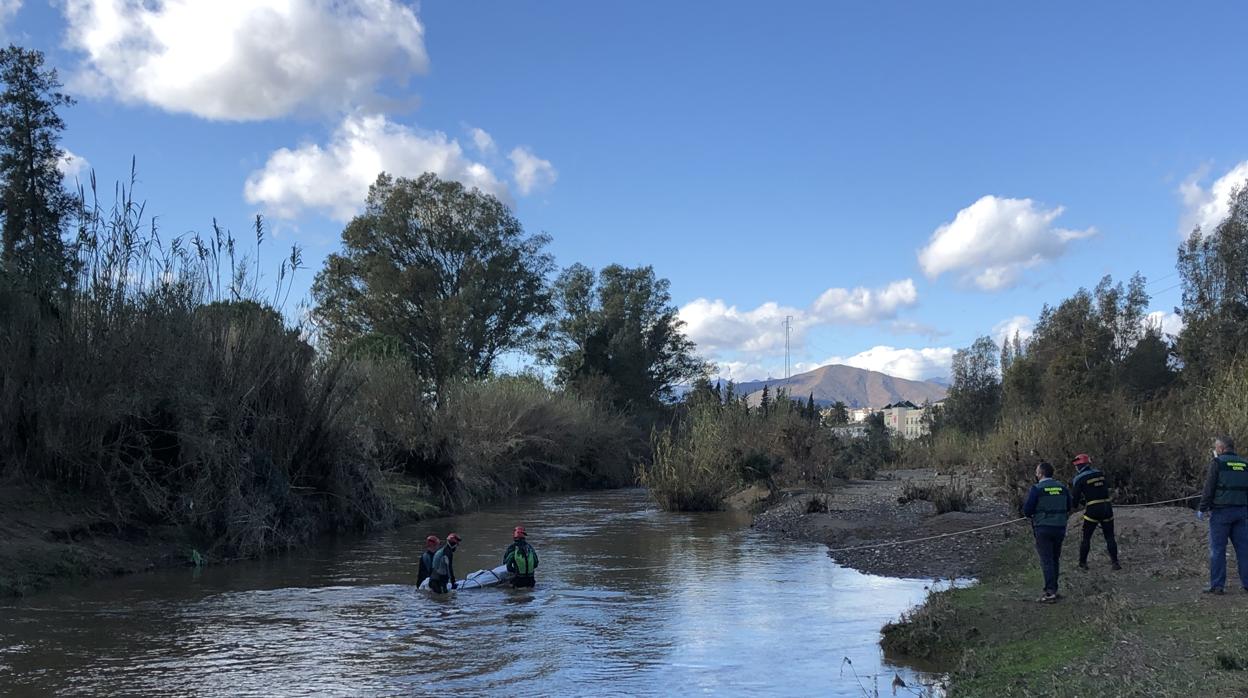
862	512
48	535
51	535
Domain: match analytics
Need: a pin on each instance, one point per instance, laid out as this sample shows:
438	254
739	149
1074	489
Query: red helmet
432	542
453	539
518	533
1081	459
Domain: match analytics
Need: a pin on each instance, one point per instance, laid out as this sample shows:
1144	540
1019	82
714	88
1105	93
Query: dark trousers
1228	523
1049	546
438	584
1089	527
519	582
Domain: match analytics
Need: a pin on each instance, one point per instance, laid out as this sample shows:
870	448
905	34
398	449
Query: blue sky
899	177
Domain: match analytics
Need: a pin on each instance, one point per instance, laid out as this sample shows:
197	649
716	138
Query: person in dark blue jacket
1048	506
1090	488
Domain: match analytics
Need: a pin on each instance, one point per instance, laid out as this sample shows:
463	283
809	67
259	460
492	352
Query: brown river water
630	601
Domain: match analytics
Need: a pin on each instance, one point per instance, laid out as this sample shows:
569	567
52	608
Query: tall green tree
974	400
1213	265
838	414
618	330
33	200
445	271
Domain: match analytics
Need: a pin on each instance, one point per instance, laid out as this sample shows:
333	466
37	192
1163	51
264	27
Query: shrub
694	466
957	495
164	384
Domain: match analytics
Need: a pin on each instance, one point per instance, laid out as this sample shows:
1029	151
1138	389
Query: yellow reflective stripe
1097	501
1089	518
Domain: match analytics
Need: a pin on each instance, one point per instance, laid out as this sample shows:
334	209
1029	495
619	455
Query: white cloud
8	10
72	165
1019	324
994	239
243	60
741	371
335	178
1169	323
865	306
530	171
483	141
1206	208
716	326
914	364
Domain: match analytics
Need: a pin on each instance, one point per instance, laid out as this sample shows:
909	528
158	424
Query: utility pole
788	329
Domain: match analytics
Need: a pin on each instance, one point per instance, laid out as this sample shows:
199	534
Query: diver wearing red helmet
442	576
426	559
521	560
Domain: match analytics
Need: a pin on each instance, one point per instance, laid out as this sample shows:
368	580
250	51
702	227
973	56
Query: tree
974	400
33	199
619	326
811	411
1213	265
764	402
838	414
446	271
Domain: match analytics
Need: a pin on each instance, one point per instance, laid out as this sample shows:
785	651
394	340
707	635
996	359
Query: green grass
1125	634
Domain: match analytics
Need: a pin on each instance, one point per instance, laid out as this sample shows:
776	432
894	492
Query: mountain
855	387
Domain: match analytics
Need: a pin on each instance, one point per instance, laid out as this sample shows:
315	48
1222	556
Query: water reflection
630	601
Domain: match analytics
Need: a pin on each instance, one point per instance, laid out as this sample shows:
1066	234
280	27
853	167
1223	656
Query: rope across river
990	526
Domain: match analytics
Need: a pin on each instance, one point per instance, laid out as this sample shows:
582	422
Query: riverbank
51	535
867	512
1144	631
48	535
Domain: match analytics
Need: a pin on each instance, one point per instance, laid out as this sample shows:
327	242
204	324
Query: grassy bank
1144	631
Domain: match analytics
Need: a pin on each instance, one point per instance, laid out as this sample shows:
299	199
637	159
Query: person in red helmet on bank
426	559
1091	487
442	577
521	560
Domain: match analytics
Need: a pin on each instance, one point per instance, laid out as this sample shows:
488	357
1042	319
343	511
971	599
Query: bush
513	434
491	438
177	399
957	495
695	466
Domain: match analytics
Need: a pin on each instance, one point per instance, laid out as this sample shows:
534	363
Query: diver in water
426	559
442	576
521	560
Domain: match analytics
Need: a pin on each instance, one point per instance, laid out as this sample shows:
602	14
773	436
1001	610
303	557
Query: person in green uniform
1048	506
1225	503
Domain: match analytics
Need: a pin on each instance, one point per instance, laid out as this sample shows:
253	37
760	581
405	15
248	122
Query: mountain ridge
856	387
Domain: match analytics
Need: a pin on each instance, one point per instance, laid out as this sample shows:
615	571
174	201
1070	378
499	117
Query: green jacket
521	559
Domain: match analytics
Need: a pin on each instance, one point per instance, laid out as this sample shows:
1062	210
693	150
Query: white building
905	419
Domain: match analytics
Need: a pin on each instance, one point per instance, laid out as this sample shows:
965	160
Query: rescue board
479	579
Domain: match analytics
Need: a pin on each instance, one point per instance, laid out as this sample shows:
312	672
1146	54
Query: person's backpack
524	559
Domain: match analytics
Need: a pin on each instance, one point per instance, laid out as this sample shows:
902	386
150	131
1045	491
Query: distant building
850	431
860	414
905	419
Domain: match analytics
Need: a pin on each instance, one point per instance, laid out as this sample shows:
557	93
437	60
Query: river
630	601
